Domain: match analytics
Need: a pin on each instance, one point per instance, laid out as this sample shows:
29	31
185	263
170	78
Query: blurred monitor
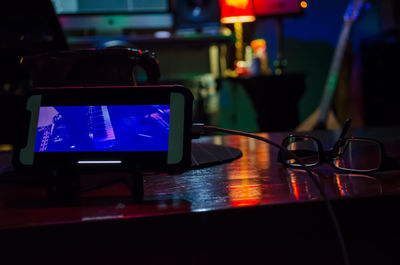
106	6
278	7
197	15
113	17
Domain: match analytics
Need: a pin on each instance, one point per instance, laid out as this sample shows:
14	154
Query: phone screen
112	128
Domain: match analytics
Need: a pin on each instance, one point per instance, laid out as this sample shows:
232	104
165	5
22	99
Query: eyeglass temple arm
346	127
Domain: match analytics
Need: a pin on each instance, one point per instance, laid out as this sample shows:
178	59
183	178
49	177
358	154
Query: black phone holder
64	183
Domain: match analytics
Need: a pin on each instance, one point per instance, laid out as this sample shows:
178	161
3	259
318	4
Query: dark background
366	91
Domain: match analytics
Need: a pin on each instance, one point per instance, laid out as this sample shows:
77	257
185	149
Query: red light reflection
244	195
244	188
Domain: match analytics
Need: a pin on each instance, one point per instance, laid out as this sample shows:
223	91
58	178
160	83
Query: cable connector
198	130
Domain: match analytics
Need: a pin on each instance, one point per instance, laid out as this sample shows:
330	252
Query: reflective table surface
253	205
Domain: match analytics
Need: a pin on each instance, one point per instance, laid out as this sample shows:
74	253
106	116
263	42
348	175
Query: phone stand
134	182
64	184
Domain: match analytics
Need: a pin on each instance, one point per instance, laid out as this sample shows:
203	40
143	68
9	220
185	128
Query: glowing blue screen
103	128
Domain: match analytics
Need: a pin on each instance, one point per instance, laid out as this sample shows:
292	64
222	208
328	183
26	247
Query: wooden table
250	211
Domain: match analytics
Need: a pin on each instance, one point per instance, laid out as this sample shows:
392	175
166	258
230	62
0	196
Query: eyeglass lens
304	148
358	154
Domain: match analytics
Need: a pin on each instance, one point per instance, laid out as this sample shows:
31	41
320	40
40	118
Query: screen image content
103	128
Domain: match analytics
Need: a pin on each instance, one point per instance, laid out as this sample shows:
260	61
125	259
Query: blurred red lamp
237	12
233	11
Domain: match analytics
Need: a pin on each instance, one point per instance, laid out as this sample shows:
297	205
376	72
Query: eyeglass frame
386	162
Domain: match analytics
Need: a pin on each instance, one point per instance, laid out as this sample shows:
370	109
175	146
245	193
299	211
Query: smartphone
100	127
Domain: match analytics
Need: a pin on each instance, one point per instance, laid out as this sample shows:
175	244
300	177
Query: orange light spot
303	4
340	185
238	3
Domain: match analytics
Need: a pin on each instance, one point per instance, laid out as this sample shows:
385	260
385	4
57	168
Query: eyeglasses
348	154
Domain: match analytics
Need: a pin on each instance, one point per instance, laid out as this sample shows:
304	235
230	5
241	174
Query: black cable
331	212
